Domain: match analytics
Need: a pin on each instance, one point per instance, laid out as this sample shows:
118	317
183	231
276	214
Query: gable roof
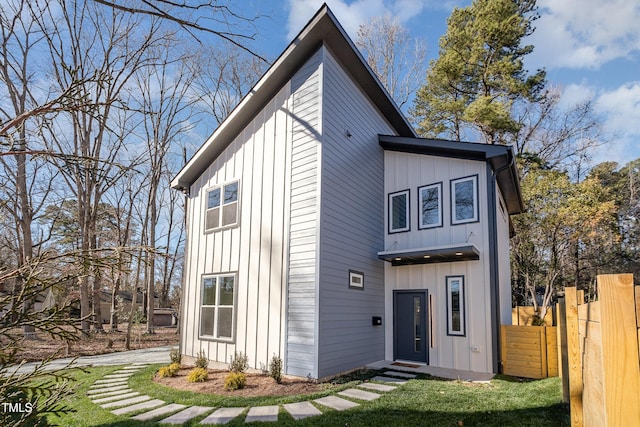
322	29
500	157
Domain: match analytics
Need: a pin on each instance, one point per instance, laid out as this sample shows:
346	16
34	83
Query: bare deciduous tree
397	60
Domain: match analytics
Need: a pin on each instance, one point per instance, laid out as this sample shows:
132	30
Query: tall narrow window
222	206
217	307
455	306
430	206
399	211
464	200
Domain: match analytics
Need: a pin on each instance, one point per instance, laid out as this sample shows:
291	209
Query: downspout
494	276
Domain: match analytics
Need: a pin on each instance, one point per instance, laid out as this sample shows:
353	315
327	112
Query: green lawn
420	402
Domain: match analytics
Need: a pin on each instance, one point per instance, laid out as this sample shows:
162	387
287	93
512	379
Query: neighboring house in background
320	229
126	299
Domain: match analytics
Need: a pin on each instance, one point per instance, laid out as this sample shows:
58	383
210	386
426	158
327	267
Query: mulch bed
257	385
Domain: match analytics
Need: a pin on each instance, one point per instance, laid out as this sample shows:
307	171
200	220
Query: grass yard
421	402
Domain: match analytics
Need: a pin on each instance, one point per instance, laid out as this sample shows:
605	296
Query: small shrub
169	371
201	360
235	381
197	375
239	362
175	355
275	368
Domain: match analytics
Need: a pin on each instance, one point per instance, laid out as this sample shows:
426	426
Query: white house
320	229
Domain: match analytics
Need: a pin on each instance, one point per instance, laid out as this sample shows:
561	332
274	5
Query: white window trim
215	337
421	225
450	331
407	211
221	206
357	275
475	217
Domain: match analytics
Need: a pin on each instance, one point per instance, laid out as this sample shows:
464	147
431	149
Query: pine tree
479	74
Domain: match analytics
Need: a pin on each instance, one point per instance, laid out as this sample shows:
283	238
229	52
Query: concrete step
337	403
163	410
104	390
115	397
377	387
125	402
138	407
384	379
186	415
354	393
263	413
300	410
222	416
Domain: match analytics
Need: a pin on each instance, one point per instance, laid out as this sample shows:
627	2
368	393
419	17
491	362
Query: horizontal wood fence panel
526	349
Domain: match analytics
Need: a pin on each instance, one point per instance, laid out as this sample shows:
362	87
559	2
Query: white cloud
620	112
352	13
585	33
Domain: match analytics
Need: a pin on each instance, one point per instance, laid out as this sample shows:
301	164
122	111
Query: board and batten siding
410	171
256	249
504	266
352	224
302	298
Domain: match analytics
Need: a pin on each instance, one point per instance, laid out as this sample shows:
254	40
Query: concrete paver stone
336	403
263	413
359	394
110	393
222	416
389	380
125	402
377	387
116	397
163	410
101	390
138	407
186	415
300	410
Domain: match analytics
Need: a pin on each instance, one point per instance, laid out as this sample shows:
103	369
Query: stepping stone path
113	393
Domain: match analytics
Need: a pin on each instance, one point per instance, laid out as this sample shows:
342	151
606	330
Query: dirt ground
96	343
257	385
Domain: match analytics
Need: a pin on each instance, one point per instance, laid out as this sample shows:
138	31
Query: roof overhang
431	255
500	157
322	29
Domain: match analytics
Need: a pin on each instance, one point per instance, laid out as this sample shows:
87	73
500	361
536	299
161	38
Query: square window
222	206
217	307
464	200
399	211
455	306
356	280
430	206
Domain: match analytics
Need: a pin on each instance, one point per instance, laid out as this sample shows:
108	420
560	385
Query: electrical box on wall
376	320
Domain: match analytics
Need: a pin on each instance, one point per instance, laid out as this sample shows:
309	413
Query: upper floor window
222	206
430	206
399	211
464	200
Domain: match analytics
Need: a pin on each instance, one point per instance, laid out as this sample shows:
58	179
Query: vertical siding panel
266	241
256	253
245	241
277	256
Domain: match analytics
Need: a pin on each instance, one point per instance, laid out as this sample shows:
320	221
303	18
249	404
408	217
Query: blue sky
590	49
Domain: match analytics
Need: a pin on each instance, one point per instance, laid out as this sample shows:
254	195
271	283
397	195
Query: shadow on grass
556	415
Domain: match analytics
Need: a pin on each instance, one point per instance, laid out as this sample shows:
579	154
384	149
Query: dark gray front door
410	325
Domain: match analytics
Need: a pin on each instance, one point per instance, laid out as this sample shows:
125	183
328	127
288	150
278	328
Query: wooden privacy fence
601	353
529	351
